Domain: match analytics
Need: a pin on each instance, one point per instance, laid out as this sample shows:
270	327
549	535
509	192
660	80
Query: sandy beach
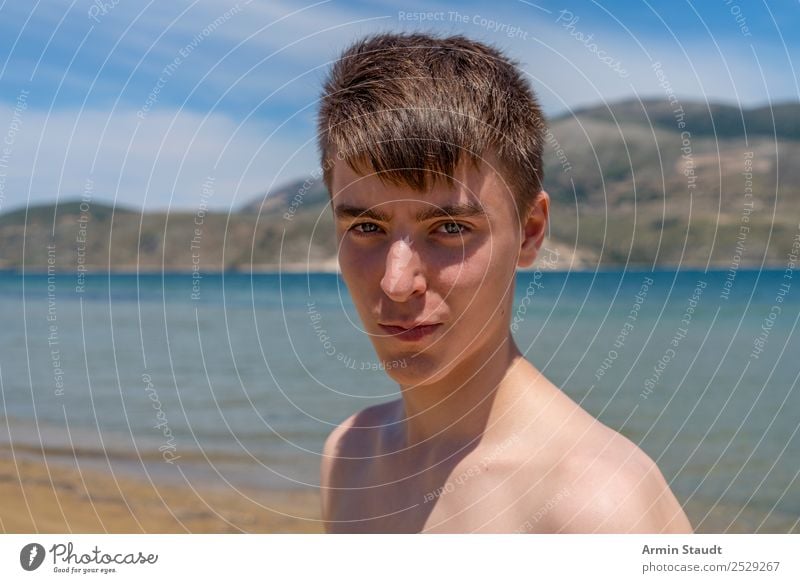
54	498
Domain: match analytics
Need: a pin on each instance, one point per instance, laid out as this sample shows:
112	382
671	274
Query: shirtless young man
431	150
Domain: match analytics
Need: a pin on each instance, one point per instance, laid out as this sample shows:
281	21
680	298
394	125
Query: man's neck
459	410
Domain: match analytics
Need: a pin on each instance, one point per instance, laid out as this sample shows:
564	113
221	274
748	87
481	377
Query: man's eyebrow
462	209
346	211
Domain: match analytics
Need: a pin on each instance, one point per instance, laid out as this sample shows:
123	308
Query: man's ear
534	228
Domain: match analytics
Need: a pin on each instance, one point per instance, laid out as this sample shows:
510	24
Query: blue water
235	381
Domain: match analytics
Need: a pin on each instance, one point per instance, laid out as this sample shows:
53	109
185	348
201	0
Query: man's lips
411	332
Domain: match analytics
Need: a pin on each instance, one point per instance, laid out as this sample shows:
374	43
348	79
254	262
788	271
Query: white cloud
152	162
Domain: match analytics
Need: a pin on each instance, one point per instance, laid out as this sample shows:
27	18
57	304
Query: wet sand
36	497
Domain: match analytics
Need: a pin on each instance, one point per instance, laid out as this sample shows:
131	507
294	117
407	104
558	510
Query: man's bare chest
469	497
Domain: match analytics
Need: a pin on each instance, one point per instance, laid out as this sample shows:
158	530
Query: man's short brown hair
410	106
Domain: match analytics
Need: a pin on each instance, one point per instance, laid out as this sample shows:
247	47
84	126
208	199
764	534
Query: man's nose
403	276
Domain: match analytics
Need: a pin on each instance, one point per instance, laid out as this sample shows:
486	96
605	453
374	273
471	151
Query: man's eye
454	228
365	228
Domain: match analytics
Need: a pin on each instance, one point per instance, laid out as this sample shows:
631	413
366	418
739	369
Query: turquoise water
226	376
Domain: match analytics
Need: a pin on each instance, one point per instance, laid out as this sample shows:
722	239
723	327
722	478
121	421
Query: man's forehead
469	186
383	203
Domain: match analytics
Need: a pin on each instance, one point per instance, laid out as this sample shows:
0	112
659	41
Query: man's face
431	274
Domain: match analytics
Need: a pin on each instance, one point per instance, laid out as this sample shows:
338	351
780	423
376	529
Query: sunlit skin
471	404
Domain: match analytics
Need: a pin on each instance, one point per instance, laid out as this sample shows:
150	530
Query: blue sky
239	81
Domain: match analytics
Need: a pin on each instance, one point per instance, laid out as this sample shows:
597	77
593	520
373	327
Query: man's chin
414	370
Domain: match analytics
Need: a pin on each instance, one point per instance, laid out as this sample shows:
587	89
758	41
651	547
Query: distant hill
780	120
634	191
308	192
626	187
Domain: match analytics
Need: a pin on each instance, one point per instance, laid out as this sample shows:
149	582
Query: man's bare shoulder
590	478
355	439
610	485
356	435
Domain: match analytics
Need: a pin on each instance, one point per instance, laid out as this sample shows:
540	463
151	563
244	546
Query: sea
237	378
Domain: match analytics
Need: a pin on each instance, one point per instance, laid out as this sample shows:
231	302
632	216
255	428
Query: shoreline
42	496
